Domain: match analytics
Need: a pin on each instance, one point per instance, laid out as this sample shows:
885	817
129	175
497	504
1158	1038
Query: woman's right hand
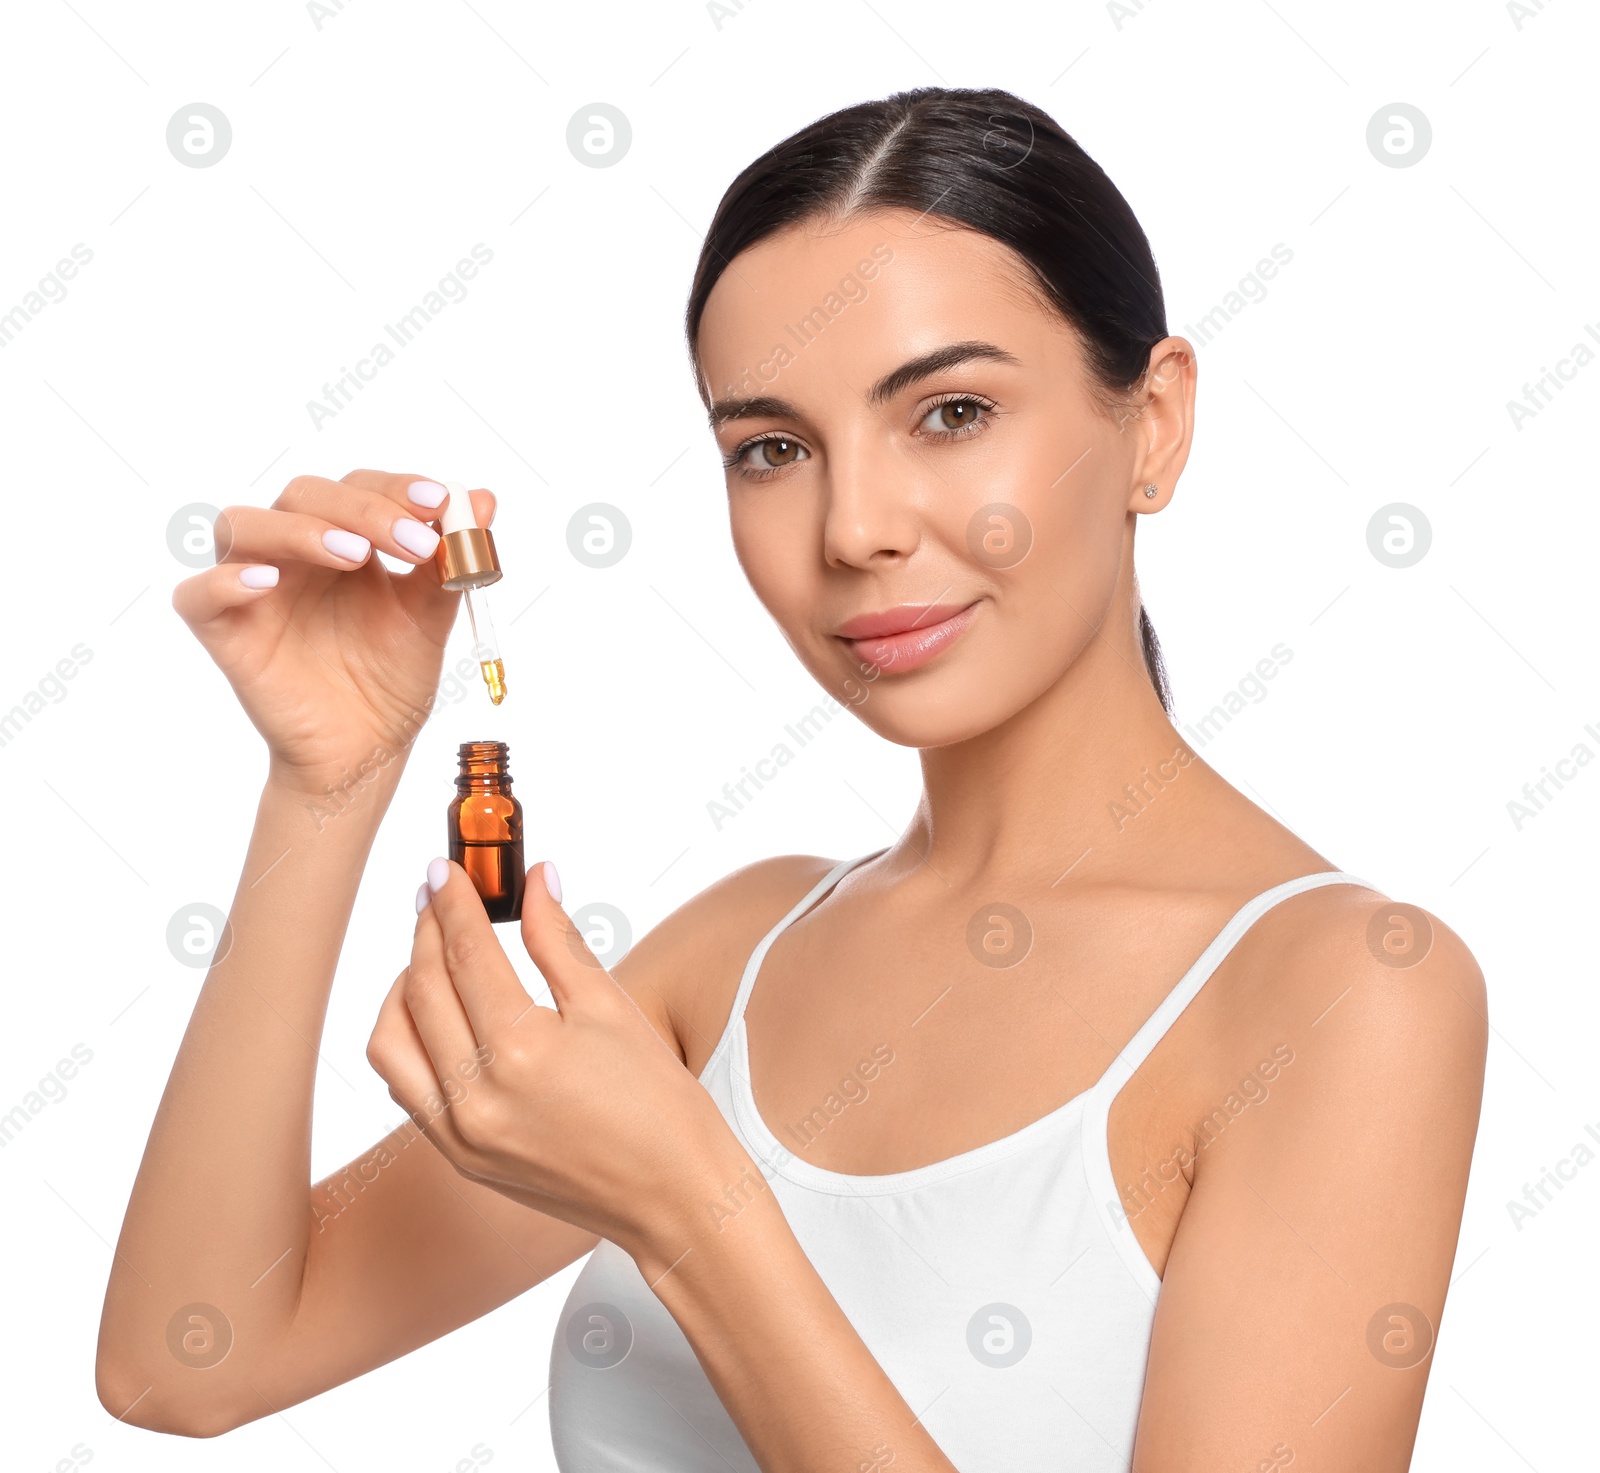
333	657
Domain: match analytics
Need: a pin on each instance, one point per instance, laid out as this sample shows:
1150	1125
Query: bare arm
1303	1294
225	1243
312	1286
785	1360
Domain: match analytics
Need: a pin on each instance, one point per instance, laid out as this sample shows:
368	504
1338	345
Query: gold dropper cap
466	555
468	559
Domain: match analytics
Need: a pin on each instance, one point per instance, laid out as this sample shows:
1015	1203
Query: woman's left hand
582	1111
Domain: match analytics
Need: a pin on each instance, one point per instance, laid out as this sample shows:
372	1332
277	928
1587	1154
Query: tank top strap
1138	1049
753	966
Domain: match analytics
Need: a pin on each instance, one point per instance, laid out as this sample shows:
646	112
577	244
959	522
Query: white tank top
1001	1289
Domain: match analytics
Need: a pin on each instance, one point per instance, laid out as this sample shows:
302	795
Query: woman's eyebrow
763	406
936	360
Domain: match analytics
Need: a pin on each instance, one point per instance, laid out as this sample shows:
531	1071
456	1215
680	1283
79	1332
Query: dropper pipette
469	563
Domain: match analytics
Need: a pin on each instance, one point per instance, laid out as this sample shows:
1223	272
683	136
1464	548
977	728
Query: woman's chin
931	713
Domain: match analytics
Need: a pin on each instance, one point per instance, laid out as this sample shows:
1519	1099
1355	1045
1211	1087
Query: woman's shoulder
1349	931
1372	992
1343	945
684	972
742	906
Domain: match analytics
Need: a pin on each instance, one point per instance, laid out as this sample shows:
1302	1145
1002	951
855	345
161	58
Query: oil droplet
494	676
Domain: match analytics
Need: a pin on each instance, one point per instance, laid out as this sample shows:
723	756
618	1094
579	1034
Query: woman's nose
871	515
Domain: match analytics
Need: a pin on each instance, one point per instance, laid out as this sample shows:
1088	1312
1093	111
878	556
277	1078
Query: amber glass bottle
486	829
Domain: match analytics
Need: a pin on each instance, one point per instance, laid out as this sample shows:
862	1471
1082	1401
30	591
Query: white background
372	153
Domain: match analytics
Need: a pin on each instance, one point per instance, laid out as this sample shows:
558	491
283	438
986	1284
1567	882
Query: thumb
557	947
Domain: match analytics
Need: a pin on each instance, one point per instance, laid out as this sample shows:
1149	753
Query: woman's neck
1085	767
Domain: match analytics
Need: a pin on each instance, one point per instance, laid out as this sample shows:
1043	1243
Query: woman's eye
771	454
953	416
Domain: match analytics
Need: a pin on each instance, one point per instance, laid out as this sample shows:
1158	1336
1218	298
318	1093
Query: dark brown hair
986	160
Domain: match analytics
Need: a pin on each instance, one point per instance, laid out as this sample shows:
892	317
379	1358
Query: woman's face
939	541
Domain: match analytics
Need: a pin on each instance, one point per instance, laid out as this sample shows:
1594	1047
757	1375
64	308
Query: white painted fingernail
426	493
552	881
346	545
424	895
259	575
414	537
438	873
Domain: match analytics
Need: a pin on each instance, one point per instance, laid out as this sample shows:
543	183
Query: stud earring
1150	490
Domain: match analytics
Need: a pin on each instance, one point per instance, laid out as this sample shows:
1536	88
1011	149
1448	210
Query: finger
484	505
368	514
573	972
400	1058
253	534
484	978
433	999
423	497
278	538
207	596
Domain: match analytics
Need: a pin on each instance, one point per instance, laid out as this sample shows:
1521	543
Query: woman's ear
1165	422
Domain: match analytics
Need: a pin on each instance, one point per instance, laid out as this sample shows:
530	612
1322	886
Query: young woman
1096	1122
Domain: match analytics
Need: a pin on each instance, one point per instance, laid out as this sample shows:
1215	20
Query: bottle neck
483	768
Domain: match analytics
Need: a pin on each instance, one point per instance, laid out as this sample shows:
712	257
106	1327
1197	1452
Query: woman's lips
905	639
